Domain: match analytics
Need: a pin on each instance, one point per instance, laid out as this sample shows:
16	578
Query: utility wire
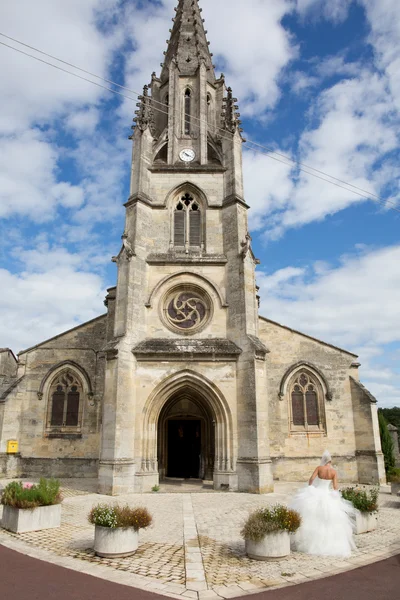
257	147
265	148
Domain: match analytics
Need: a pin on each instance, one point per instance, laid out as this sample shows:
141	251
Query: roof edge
365	390
9	350
310	337
12	386
63	333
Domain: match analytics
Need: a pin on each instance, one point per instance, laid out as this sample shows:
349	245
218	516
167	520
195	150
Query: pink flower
27	486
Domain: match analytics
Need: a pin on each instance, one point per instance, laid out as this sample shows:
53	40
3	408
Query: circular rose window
187	309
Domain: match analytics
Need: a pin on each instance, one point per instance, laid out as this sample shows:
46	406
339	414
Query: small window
65	402
187	223
209	108
188	109
306	404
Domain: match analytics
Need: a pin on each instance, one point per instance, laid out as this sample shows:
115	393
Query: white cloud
268	187
333	10
83	122
32	91
28	178
354	128
356	303
37	101
336	65
355	306
384	19
303	81
386	394
252	67
51	302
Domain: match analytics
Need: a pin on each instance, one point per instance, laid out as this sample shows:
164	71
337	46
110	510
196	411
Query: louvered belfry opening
188	108
187	223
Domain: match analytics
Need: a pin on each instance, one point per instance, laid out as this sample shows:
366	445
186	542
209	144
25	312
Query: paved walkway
25	578
194	548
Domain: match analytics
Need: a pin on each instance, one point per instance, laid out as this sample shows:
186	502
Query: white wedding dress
326	521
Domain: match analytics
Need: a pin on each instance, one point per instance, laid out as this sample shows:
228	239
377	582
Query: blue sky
317	81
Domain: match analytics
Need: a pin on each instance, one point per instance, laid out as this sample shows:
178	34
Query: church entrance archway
188	404
186	446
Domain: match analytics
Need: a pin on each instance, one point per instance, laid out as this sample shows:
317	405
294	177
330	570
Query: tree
387	443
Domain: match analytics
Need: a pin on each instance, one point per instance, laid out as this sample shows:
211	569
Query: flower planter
395	489
272	547
23	520
115	542
366	522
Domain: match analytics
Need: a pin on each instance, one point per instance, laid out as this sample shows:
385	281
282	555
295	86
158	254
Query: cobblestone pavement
194	547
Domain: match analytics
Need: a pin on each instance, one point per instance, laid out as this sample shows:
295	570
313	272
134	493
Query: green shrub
155	488
362	499
387	443
19	495
270	520
394	475
108	515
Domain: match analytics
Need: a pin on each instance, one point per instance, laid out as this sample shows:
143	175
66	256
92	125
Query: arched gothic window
65	402
187	223
306	403
188	112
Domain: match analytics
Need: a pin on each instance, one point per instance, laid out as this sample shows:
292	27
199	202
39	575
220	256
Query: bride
326	518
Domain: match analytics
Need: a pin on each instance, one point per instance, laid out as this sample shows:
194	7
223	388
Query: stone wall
8	363
26	407
394	434
295	454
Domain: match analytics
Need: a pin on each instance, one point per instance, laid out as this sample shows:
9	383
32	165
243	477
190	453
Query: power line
274	155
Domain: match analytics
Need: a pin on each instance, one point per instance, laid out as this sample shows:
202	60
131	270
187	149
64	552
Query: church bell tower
183	319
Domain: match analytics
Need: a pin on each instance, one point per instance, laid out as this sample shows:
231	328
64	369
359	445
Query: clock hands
187	155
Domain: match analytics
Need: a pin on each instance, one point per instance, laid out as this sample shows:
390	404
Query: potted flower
366	504
117	529
31	507
267	532
394	479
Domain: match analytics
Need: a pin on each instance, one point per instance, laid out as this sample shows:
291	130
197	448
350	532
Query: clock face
187	155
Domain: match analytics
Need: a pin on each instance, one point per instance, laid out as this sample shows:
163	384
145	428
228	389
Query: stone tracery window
186	309
187	223
306	403
65	402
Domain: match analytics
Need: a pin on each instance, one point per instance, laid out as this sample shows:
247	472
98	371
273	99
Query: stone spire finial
230	114
188	42
145	115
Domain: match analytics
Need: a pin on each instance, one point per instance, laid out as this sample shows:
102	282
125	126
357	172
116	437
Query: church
181	377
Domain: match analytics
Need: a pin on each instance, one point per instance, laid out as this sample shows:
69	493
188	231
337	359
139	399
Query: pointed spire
188	44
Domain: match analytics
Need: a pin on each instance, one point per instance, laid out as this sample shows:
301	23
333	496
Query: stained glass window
65	396
187	310
305	407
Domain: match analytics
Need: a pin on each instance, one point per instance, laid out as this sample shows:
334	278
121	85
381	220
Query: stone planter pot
115	543
272	547
395	488
366	522
22	520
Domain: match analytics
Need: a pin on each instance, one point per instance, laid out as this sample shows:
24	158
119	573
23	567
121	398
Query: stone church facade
182	377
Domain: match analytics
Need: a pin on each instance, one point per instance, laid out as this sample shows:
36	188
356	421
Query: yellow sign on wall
12	447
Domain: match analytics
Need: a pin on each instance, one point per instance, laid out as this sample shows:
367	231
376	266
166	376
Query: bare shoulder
325	472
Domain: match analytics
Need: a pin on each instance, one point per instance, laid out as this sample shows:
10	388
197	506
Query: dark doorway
184	448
